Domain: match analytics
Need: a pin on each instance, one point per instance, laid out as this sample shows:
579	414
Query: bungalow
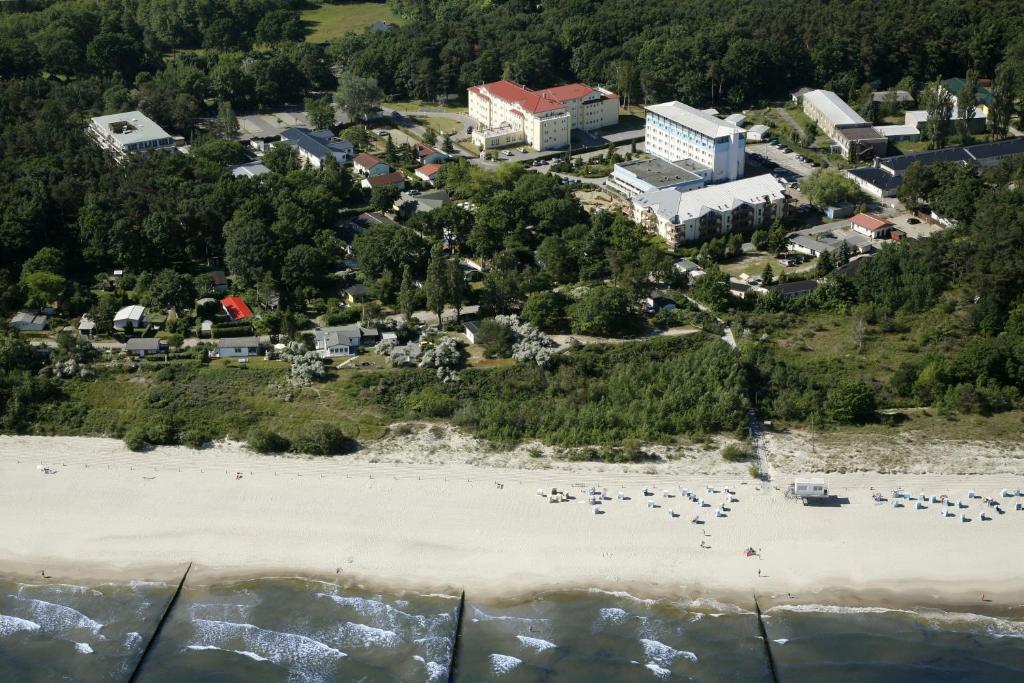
130	315
141	347
29	322
740	290
872	226
345	340
357	293
412	201
426	154
236	308
393	179
428	173
688	267
471	329
788	290
249	170
758	133
238	347
315	146
369	165
657	301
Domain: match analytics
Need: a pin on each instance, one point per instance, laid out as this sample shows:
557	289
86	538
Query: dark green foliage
497	339
321	438
546	311
604	312
263	440
736	453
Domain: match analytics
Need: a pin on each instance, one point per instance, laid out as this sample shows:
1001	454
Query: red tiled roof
366	160
236	308
570	91
429	169
525	98
392	178
425	150
866	220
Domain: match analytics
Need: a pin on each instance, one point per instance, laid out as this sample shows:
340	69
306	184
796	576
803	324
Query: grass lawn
420	105
910	146
1005	427
441	124
753	264
328	22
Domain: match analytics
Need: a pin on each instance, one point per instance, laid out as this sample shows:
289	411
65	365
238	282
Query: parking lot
786	160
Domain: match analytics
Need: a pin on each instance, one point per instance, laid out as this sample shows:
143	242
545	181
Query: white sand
449	526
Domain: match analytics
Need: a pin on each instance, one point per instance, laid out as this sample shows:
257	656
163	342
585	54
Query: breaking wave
537	644
503	664
286	649
9	625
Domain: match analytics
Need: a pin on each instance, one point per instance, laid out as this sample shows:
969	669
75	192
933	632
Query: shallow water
297	629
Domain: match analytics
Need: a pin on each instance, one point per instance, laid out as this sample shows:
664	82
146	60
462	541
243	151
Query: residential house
687	267
740	206
674	131
428	173
369	165
86	327
739	289
657	301
982	95
130	132
315	146
357	293
236	308
508	113
645	175
131	315
426	154
798	95
976	124
394	179
415	201
141	347
471	328
29	322
345	340
789	290
871	226
238	347
249	170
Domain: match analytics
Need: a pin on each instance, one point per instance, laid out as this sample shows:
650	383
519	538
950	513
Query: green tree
767	275
357	135
357	96
383	198
556	259
829	187
282	158
170	289
966	104
497	339
826	264
843	254
407	295
850	402
446	144
939	105
435	287
545	310
1004	93
918	184
603	311
43	288
430	135
319	112
226	123
457	289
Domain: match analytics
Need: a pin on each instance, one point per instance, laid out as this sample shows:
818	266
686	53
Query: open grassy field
420	105
328	22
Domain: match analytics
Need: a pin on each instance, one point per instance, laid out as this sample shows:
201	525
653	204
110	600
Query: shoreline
109	513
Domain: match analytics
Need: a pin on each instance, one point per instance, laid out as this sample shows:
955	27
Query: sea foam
288	649
9	625
84	648
503	664
662	654
244	653
54	617
351	634
536	644
614	614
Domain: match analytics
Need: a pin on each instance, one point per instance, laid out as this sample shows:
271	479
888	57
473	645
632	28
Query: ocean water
300	629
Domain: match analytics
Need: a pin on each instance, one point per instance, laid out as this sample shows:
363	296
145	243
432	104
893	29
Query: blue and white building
637	176
676	131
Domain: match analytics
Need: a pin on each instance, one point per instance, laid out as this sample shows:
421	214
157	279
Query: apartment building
853	136
130	132
511	114
742	205
675	131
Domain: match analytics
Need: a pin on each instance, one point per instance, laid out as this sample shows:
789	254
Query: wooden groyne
453	664
159	626
767	645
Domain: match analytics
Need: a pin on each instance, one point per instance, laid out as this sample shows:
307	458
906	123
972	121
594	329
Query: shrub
322	438
497	339
135	439
195	438
735	452
263	440
755	472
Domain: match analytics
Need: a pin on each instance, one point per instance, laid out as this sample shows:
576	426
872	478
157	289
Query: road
780	158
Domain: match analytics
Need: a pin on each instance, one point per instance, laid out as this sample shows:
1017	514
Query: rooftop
695	119
143	344
249	170
233	342
955	85
429	169
317	143
902	96
870	221
236	308
366	160
833	108
536	101
864	132
676	206
897	130
877	177
130	127
384	179
131	313
657	172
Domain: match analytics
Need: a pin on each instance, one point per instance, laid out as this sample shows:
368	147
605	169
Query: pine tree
456	287
446	144
436	285
826	264
227	122
843	254
767	275
390	152
407	295
966	104
430	136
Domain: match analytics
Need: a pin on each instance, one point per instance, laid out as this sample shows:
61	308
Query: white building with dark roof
676	131
130	132
644	175
740	206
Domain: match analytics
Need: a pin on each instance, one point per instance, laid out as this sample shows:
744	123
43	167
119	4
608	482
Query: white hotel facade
675	131
511	114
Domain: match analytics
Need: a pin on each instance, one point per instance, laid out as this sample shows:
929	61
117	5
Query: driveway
780	158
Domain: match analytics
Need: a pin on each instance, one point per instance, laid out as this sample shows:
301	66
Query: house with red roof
872	226
510	113
394	179
369	165
426	154
428	173
236	308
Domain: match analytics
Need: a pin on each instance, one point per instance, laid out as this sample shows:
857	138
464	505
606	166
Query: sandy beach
110	512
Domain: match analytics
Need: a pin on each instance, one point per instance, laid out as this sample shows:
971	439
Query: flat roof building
643	175
676	131
130	132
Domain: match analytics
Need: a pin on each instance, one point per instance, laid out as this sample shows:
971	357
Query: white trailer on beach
809	488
